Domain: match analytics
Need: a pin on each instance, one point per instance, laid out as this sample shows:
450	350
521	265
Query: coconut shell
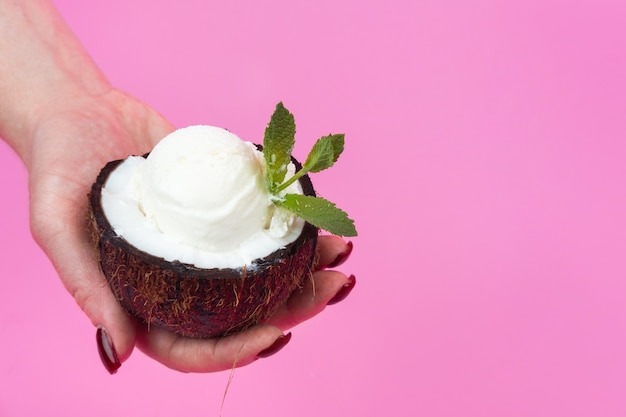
198	302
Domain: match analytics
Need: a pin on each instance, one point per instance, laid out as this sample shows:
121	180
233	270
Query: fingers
325	287
318	292
210	355
332	251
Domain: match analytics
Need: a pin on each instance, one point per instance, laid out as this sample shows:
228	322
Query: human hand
70	141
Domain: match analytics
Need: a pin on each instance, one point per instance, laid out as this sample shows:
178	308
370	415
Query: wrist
42	65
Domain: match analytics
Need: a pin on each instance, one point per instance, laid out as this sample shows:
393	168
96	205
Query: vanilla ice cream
203	186
199	198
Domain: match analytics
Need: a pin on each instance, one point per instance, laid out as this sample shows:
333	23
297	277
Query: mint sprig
278	144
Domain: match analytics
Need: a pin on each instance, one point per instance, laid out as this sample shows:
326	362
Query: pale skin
65	121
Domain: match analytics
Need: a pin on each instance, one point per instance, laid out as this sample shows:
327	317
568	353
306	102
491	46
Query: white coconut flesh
199	198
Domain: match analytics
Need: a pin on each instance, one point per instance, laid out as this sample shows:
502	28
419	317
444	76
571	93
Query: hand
70	141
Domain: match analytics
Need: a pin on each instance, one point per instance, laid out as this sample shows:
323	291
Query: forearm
41	63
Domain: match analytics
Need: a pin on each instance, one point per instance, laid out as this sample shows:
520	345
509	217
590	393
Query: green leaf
324	153
277	145
320	213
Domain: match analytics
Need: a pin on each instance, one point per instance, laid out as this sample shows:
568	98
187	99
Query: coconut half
198	302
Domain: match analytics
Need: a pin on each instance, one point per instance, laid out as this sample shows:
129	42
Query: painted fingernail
107	352
343	291
278	344
341	257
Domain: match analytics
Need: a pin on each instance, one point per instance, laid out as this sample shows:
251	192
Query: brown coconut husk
198	302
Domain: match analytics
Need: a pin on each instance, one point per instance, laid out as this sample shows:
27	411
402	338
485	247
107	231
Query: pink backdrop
484	165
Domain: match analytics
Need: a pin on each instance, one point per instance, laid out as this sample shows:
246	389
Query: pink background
484	165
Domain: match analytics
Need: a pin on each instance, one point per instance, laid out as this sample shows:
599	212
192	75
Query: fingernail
107	352
343	291
278	344
341	257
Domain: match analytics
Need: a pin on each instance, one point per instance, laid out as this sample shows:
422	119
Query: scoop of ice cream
199	198
203	186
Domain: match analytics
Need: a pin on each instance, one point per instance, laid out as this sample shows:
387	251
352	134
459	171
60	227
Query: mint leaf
277	145
320	213
324	153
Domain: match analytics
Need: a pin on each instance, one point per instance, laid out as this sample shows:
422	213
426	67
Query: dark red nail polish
341	257
107	352
343	291
280	343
